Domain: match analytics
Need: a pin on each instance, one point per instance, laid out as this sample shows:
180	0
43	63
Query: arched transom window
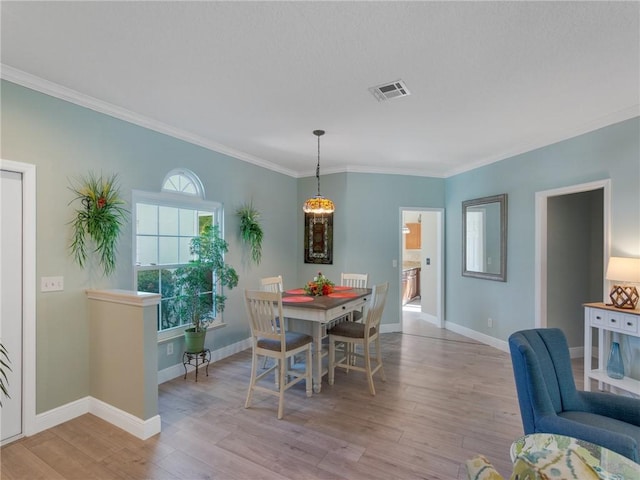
165	222
183	181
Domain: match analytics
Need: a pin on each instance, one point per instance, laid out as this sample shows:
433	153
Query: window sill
178	332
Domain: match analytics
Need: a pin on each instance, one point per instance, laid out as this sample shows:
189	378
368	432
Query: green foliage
200	284
4	367
101	218
250	230
163	282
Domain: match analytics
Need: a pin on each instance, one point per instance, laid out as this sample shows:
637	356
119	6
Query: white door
11	314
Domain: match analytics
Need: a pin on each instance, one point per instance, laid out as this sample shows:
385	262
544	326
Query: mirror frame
502	201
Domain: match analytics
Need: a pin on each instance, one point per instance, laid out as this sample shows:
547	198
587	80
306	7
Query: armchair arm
618	442
479	468
625	409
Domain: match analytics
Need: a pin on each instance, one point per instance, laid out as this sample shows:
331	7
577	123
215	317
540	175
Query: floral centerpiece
320	285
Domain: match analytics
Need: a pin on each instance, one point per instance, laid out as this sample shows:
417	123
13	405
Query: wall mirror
484	238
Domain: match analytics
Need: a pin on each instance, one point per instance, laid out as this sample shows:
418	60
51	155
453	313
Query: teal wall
367	225
64	140
612	153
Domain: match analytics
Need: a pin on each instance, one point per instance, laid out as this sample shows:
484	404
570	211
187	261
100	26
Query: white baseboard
135	426
142	429
480	337
60	414
177	370
390	328
576	352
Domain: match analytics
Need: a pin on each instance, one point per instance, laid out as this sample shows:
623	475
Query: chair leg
367	361
348	349
283	369
332	360
254	362
308	367
379	358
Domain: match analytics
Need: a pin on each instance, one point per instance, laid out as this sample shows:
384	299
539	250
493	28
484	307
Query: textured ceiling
488	79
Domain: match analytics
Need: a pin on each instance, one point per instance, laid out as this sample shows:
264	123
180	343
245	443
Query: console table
607	319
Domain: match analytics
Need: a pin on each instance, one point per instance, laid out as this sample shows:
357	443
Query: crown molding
544	141
41	85
58	91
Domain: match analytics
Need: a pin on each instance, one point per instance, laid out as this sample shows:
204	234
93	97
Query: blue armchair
550	403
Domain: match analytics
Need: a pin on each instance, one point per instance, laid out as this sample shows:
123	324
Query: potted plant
200	285
100	218
251	230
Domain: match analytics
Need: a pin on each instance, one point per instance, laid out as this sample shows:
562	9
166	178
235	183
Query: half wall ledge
123	358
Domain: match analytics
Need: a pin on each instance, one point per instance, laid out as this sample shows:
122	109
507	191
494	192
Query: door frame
28	172
541	239
440	322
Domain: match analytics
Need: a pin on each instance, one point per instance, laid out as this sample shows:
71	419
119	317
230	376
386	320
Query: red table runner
297	299
296	291
343	295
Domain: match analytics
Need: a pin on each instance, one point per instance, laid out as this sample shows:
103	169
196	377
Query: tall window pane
168	220
165	225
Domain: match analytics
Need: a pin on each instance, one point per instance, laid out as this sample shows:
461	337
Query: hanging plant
250	230
101	217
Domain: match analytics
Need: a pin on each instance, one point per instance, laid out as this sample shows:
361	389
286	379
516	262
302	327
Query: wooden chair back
271	284
354	280
264	309
375	307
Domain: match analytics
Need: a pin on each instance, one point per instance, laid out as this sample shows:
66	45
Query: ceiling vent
391	90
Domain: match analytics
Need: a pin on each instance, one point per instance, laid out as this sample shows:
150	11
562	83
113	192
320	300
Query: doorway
421	267
572	242
17	285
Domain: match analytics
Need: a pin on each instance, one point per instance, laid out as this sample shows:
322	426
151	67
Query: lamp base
624	296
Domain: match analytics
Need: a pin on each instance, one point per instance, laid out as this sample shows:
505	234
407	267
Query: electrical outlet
170	348
51	284
490	322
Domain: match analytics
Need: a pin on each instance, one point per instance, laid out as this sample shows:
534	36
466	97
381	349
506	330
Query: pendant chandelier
318	204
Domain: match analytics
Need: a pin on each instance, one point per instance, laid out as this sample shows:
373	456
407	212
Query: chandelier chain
318	166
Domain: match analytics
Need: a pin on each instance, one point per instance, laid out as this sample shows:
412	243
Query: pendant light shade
318	204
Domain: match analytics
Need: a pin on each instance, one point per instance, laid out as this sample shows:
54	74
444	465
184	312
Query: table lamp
624	271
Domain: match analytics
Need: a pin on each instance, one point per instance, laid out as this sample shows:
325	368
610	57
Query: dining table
315	315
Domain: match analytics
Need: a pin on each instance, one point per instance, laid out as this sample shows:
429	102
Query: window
165	223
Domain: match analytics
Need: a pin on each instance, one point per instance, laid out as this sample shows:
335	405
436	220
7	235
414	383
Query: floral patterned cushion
479	468
547	465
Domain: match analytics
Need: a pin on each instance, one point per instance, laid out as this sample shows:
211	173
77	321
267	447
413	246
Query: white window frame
167	198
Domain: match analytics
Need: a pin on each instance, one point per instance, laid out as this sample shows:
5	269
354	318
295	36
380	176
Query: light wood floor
446	398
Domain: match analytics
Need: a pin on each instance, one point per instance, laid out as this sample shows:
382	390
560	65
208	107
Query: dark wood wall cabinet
410	284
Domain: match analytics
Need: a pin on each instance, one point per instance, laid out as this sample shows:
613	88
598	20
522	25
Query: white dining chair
270	338
271	284
345	336
355	280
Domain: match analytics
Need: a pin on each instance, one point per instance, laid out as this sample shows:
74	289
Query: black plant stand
195	359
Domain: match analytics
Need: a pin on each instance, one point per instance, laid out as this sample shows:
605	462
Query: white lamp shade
624	269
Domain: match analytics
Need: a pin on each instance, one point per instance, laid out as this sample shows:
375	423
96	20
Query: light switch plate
51	284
